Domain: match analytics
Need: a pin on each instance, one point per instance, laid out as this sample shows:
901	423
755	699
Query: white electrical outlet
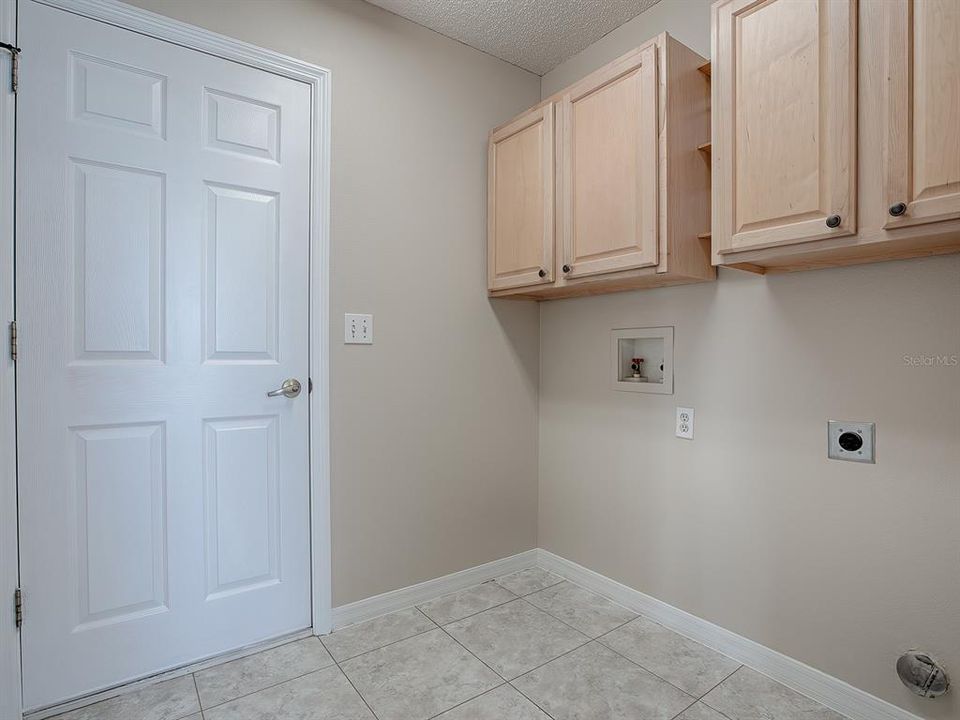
685	423
357	329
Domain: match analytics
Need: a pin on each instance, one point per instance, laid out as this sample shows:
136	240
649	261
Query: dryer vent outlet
922	674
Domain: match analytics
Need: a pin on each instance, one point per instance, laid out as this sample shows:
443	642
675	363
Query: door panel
241	261
520	197
122	560
784	140
162	289
117	222
609	152
241	482
922	159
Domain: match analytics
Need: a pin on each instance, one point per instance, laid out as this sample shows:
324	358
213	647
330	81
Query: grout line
680	714
450	622
718	685
700	700
357	691
592	592
269	687
573	627
486	692
527	672
479	612
554	617
531	700
196	690
648	670
642	667
506	682
385	645
475	655
727	677
560	579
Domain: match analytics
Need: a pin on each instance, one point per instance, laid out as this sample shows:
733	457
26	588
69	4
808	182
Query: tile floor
528	646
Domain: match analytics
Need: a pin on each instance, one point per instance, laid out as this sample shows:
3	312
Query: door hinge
13	340
309	385
14	64
18	606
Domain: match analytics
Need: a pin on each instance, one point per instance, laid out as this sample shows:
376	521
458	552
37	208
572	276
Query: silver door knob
290	388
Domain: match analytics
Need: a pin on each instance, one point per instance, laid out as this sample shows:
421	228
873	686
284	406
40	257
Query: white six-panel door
162	291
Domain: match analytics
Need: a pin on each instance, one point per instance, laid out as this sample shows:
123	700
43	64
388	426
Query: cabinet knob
567	268
898	209
542	273
833	221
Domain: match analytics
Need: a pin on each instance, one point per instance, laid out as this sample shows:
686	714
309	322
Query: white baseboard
825	689
406	597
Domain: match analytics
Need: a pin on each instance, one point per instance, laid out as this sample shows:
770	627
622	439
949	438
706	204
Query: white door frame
189	36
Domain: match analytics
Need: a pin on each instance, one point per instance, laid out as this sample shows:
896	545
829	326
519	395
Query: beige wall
840	565
434	437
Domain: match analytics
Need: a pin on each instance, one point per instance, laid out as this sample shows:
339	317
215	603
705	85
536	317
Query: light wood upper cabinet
609	148
921	169
520	242
784	122
790	148
632	190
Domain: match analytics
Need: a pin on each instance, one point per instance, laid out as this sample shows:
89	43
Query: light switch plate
357	329
853	441
685	423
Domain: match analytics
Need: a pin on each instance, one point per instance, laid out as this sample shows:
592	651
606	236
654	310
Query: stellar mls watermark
924	360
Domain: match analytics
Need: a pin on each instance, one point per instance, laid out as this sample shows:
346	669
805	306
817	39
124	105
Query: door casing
189	36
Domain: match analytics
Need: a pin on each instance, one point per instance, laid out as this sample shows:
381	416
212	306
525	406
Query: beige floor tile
419	677
588	612
372	634
502	703
322	695
249	674
690	666
701	712
168	700
748	695
594	682
466	602
515	637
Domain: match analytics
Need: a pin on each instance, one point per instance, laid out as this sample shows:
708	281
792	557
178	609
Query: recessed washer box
642	360
853	441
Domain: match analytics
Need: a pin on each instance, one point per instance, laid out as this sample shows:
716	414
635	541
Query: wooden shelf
705	148
705	69
704	236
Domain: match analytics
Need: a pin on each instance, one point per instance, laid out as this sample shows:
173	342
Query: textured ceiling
537	35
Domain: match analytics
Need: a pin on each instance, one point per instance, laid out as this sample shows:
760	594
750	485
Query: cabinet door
520	207
784	124
609	152
922	158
